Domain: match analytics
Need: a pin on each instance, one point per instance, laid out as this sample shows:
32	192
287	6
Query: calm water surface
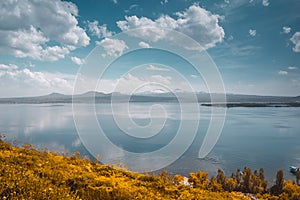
254	137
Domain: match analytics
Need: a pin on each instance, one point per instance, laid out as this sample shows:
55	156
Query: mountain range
233	100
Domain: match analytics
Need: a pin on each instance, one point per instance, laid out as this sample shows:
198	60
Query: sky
246	46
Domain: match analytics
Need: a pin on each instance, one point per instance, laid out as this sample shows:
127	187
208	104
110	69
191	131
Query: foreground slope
26	173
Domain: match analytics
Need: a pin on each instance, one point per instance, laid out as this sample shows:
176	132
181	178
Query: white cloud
29	64
77	60
281	72
133	6
130	83
195	21
164	2
135	83
252	32
230	38
227	1
100	31
53	53
24	82
133	22
250	1
265	2
8	67
286	29
292	68
156	68
194	76
296	40
115	1
144	44
27	28
113	47
165	80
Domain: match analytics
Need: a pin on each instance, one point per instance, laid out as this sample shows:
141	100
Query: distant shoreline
254	105
204	99
223	105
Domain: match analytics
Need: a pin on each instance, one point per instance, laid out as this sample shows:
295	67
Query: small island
254	105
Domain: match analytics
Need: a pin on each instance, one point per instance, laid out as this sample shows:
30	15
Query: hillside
202	97
26	173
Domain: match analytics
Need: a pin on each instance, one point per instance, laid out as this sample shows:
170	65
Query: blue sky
255	44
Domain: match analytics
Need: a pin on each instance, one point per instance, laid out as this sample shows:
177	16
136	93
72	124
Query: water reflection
254	137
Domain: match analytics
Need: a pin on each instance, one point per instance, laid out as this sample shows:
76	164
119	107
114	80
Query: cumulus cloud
115	1
154	34
113	47
165	80
296	41
292	68
130	83
53	53
134	83
100	31
29	64
77	60
156	68
196	22
8	67
265	2
144	44
282	72
27	28
252	32
25	82
286	29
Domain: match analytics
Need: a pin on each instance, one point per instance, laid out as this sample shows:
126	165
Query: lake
255	137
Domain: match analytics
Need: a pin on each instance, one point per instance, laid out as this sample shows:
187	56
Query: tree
298	176
221	178
256	182
262	174
165	176
264	183
246	185
238	179
230	185
199	179
214	186
278	187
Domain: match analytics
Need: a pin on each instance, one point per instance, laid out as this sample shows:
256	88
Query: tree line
244	181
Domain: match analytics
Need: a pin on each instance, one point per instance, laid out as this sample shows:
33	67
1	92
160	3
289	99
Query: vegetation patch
26	173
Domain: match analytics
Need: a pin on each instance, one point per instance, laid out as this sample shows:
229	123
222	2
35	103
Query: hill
26	173
233	100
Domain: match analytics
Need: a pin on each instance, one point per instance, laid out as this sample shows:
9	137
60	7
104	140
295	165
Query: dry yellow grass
26	173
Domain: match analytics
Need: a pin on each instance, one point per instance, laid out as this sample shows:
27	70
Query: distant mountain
204	98
50	98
